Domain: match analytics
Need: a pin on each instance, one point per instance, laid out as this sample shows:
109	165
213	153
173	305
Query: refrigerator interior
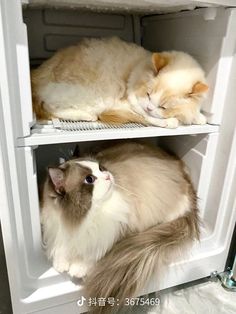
207	34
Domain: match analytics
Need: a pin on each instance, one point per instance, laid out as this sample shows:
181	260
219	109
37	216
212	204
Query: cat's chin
107	194
154	114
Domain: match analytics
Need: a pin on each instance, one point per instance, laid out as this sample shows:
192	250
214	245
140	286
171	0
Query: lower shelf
92	131
64	296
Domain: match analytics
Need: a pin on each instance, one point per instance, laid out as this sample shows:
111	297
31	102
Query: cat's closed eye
163	106
90	179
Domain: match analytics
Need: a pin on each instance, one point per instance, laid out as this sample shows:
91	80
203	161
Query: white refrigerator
30	32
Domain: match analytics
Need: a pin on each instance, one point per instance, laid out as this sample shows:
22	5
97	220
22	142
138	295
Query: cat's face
78	185
101	180
174	88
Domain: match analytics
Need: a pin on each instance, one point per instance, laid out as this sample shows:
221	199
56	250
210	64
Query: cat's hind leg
75	115
125	116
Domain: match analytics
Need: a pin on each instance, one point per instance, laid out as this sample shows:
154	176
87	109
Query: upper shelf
94	131
148	6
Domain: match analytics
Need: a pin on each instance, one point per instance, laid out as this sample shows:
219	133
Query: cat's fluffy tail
125	270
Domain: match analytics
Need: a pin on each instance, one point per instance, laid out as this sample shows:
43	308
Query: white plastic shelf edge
52	136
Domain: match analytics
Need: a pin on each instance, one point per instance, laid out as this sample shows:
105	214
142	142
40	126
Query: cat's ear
159	61
76	152
57	177
199	88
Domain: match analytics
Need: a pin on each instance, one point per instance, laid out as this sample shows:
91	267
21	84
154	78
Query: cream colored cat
115	81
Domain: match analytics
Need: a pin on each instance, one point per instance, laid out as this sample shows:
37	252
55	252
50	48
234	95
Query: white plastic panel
50	29
35	287
47	134
148	6
207	34
14	68
198	153
63	308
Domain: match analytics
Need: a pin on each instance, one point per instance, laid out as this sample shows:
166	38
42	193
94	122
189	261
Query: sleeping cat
118	217
118	82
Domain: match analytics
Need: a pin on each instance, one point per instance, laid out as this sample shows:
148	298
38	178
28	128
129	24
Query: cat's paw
201	119
78	270
61	265
171	123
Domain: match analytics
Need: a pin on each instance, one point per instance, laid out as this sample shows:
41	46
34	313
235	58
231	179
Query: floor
205	298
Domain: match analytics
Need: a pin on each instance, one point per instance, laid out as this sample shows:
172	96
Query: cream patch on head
103	180
178	83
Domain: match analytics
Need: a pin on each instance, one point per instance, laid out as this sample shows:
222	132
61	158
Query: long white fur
70	248
114	210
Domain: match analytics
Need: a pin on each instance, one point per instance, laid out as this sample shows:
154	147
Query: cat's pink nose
107	177
149	108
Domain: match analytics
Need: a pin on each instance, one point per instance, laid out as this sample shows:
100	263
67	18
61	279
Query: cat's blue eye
90	179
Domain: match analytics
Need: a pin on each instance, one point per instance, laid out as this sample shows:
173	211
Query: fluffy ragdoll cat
118	217
118	82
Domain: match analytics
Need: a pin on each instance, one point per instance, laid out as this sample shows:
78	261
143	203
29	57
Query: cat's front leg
170	123
61	264
79	269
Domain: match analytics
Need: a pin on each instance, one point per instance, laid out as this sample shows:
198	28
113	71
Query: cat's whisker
131	193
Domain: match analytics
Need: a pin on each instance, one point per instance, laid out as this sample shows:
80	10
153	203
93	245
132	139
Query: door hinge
227	279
